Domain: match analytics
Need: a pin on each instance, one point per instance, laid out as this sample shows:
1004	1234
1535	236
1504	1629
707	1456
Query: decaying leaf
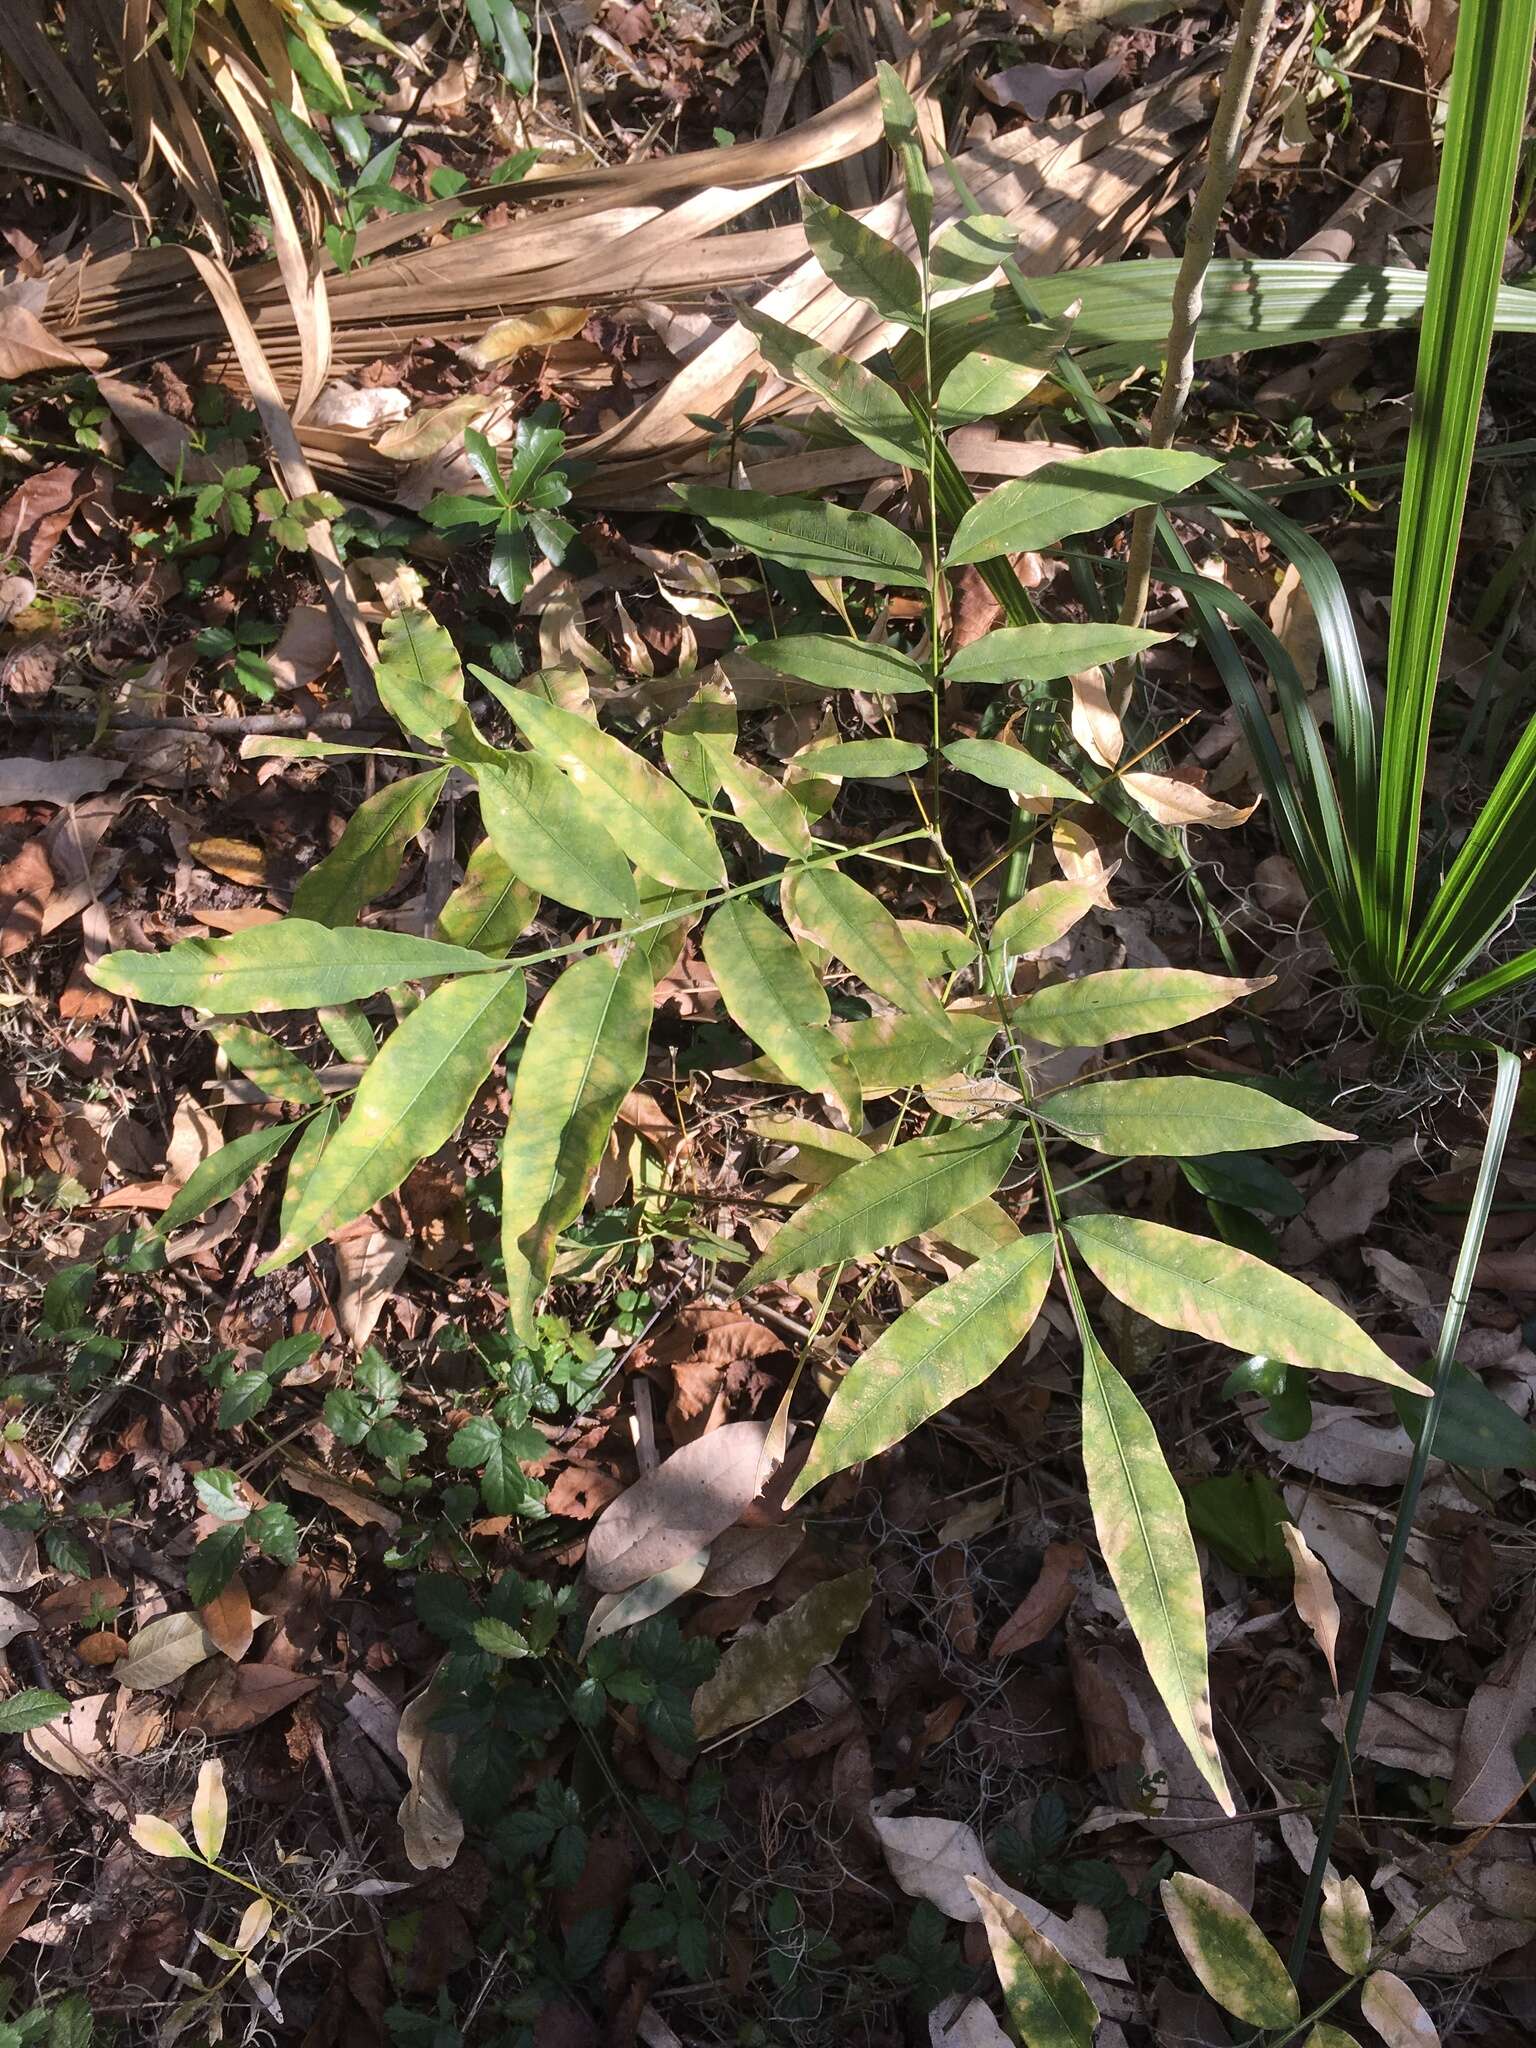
1392	2009
1045	1996
429	1820
1224	1947
1314	1597
678	1509
769	1669
163	1652
1345	1922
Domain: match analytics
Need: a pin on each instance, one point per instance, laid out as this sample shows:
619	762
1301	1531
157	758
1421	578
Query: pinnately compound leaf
1185	1282
774	994
550	834
1144	1535
1077	495
1223	1946
942	1347
411	1099
1123	1002
894	1196
1175	1117
290	965
585	1051
1046	1999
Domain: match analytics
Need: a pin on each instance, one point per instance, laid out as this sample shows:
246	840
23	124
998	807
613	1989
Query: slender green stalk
1500	1117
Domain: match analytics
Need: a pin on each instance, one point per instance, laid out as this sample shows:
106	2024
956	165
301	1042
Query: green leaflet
774	994
290	965
548	833
766	1671
1323	2036
1175	1117
277	1072
1123	1002
661	945
1345	1924
854	758
420	682
585	1051
890	1053
693	742
490	909
904	138
967	251
1039	918
314	1135
1045	653
1477	1430
1078	495
860	262
942	1347
1184	1282
864	403
765	807
365	861
894	1196
1045	1997
856	928
1002	766
221	1173
805	533
993	381
937	948
1223	1946
349	1031
1143	1532
833	661
411	1099
659	829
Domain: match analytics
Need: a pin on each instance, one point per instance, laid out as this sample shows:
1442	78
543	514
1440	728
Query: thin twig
1189	287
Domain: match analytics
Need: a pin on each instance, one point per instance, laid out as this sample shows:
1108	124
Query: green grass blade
1489	83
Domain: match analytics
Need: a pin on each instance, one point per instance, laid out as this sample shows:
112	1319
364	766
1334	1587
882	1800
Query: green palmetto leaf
1123	1002
1144	1535
217	1178
856	928
1175	1117
894	1196
942	1347
490	909
1223	1946
1045	653
1076	495
804	533
1046	1999
862	402
585	1051
548	831
852	759
1003	766
419	678
765	807
1490	82
860	262
1041	916
1185	1282
280	1075
660	830
774	994
365	861
290	965
833	661
411	1099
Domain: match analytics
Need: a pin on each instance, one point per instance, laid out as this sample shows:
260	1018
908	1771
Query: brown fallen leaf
1391	2008
1103	1723
1348	1544
74	1746
580	1491
957	1608
677	1509
26	884
429	1820
1173	801
26	781
26	346
1045	1604
744	1558
34	516
368	1263
228	1620
1405	1732
1314	1597
305	649
359	1508
1487	1782
24	1887
238	860
70	1603
163	1652
234	1697
104	1646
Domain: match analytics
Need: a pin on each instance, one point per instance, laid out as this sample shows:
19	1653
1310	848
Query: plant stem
1500	1116
1189	287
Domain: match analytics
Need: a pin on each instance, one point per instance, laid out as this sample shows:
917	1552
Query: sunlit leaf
548	832
365	861
864	403
856	928
490	909
1041	916
693	742
765	807
1046	1999
834	661
992	381
1223	1946
1045	653
1176	1116
1003	766
1077	495
854	758
860	262
773	993
1122	1002
280	1074
217	1178
805	533
419	678
157	1837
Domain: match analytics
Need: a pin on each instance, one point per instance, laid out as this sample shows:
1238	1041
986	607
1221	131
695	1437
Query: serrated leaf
214	1562
157	1837
219	1491
499	1637
805	533
1144	1536
419	678
71	2024
852	759
833	661
1185	1282
765	807
942	1347
646	813
365	861
547	831
490	909
1077	495
860	262
210	1809
290	965
773	993
894	1196
1345	1921
1003	766
862	402
585	1051
280	1074
32	1707
1041	917
1124	1002
1045	1997
764	1672
411	1099
1223	1946
856	928
220	1174
1175	1116
1045	653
